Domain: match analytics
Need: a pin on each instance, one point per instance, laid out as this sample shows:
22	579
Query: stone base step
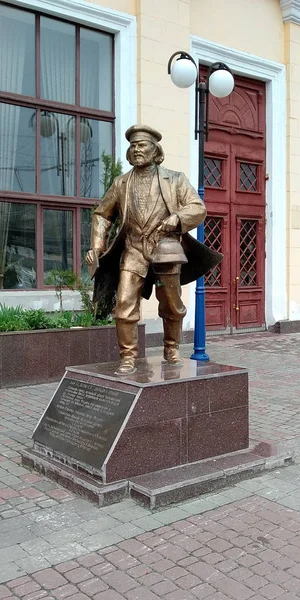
167	486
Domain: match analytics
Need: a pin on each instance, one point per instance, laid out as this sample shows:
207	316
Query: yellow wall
126	6
292	52
163	28
253	26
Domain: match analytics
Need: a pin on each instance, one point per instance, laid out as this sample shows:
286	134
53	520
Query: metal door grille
248	253
212	172
248	177
213	239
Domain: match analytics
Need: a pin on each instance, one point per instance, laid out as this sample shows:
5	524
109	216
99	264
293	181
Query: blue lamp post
184	73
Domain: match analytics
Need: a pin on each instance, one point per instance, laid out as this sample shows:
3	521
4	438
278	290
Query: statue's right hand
90	256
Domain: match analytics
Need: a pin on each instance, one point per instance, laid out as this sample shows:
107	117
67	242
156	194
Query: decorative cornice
290	11
81	10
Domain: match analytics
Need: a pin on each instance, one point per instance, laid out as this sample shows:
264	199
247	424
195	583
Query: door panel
247	267
248	175
235	201
217	282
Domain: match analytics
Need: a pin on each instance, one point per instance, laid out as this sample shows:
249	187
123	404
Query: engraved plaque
83	420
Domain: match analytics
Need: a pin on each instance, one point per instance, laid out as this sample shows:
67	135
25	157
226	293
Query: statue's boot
127	334
172	335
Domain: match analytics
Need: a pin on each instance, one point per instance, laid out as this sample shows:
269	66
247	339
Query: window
56	120
212	172
248	252
213	233
248	177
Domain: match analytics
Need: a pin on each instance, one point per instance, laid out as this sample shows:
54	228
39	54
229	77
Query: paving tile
90	560
151	579
101	540
93	586
63	553
10	571
26	588
101	524
108	595
233	589
119	581
69	565
142	593
49	579
64	591
147	523
127	530
5	592
238	543
204	590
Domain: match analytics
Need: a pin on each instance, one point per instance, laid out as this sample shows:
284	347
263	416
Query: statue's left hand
169	224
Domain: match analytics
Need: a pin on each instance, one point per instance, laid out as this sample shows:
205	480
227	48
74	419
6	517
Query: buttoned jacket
180	198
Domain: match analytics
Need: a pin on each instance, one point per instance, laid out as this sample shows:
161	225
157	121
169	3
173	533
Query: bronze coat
180	198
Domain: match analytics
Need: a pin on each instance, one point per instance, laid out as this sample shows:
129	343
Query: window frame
46	201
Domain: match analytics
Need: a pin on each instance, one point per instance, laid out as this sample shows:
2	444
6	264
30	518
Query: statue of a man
156	206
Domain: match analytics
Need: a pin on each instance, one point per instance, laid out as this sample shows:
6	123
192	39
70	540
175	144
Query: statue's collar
162	172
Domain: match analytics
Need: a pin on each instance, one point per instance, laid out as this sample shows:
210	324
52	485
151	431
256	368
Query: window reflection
57	143
17	149
96	50
17	245
58	240
86	221
91	158
17	35
57	60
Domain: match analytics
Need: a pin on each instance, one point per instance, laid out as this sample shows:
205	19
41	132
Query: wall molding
274	74
290	11
123	26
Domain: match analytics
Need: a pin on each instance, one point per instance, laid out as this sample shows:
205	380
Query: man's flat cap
137	133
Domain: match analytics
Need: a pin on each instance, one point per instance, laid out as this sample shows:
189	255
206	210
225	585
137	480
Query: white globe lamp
183	72
221	83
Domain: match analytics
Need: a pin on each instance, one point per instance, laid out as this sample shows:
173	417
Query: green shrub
37	319
12	318
16	318
62	320
84	320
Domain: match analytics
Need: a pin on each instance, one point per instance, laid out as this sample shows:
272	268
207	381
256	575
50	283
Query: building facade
75	74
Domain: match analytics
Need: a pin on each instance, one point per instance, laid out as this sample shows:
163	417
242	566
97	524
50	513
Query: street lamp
184	73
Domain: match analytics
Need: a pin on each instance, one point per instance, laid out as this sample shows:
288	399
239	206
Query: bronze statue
156	207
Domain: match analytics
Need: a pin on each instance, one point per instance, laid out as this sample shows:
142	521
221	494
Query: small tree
60	280
111	170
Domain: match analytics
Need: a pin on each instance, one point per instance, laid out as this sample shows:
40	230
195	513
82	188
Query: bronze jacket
179	197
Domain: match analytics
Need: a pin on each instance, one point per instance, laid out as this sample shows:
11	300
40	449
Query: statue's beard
141	161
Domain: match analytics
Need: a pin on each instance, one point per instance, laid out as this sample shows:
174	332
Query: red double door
235	199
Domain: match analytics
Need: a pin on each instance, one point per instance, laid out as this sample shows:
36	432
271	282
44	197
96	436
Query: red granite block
145	449
217	433
58	353
159	403
12	370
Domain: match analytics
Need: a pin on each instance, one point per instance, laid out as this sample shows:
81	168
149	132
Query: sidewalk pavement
242	542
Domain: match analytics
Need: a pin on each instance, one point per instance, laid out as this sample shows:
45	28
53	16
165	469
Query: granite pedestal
110	429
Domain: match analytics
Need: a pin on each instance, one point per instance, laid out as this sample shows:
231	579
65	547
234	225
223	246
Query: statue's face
142	153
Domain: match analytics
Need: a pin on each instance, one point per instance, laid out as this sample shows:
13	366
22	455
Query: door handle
236	283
